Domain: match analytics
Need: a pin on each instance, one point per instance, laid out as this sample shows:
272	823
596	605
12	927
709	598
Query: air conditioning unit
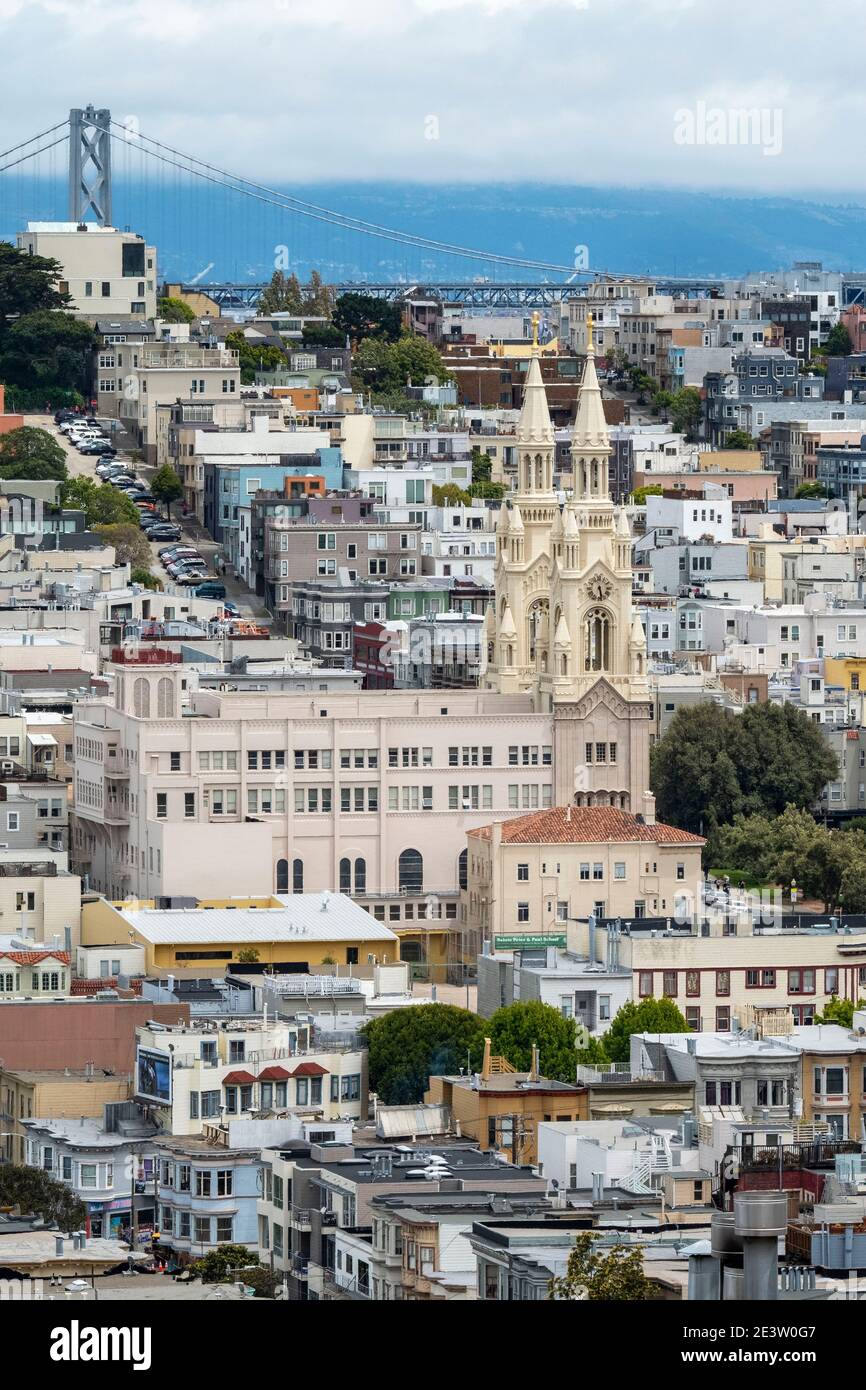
7	765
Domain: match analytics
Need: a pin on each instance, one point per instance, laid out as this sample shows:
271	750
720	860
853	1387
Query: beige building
105	271
51	1095
530	875
35	974
135	378
720	981
39	898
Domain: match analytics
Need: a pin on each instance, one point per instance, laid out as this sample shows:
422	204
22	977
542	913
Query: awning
42	740
310	1069
274	1074
239	1078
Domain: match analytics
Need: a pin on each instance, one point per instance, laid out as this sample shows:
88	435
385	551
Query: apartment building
34	974
298	553
734	967
244	1068
136	378
833	1077
65	1094
527	876
172	783
317	1210
40	900
206	1192
107	1170
105	271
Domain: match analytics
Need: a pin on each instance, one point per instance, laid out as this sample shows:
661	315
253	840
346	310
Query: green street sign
529	941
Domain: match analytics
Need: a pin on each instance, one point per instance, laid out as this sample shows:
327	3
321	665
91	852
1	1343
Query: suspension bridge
202	218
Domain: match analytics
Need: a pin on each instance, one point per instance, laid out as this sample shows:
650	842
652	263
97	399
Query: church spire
590	433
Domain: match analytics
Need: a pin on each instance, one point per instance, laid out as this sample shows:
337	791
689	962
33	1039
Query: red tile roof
274	1074
310	1069
238	1078
34	957
580	825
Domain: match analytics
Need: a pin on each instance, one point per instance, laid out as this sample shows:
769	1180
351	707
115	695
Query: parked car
163	532
213	589
171	552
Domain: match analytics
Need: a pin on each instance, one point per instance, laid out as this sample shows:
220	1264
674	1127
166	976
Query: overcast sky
623	92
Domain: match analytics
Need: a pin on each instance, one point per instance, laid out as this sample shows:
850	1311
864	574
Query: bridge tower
90	165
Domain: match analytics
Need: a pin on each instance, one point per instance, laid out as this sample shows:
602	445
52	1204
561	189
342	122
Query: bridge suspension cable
288	203
64	125
31	154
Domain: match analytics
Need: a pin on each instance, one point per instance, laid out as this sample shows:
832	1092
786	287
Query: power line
288	203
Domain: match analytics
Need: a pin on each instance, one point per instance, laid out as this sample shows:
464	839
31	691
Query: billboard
153	1075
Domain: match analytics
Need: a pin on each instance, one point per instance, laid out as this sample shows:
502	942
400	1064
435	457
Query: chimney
485	1065
533	1070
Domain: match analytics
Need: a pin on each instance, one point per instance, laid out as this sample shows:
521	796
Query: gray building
757	377
842	468
34	811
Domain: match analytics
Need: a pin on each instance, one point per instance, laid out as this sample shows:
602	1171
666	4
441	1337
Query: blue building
229	484
206	1196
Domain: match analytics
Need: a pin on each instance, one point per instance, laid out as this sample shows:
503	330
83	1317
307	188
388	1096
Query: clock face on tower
598	588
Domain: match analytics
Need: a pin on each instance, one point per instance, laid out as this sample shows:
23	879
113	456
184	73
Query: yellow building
304	932
500	1108
849	672
52	1095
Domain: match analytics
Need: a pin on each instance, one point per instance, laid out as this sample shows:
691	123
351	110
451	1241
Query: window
161	805
523	912
760	979
523	873
723	1022
723	982
645	983
411	871
831	980
619	870
189	805
801	981
670	983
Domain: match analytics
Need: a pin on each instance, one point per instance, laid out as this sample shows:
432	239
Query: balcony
820	1153
617	1073
301	1218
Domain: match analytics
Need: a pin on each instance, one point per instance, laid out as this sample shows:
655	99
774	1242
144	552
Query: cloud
570	91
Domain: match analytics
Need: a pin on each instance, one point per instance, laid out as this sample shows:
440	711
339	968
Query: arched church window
597	640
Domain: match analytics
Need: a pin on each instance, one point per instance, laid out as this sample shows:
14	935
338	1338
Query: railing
773	1157
617	1073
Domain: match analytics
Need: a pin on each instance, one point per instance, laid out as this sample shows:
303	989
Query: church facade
564	629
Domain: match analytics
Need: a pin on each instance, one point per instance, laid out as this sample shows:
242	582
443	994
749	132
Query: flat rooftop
306	917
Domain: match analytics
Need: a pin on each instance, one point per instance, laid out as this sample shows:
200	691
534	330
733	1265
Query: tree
826	864
481	465
811	490
166	486
450	495
840	1011
484	491
713	764
248	955
29	445
102	504
640	494
37	470
49	352
407	1046
739	439
838	342
602	1274
253	357
318	301
649	1016
35	1192
322	335
281	296
27	285
173	310
130	544
383	367
218	1266
661	403
143	576
686	410
592	1052
514	1029
358	316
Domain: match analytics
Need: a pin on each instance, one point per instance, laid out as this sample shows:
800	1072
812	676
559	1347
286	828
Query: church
564	629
